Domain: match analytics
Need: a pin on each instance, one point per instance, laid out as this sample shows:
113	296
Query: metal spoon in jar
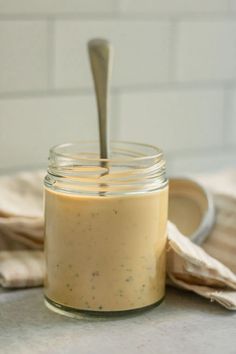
100	59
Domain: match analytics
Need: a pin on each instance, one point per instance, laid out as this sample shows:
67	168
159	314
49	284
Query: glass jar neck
132	168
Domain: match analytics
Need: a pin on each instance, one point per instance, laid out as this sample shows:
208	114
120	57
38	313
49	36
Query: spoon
100	59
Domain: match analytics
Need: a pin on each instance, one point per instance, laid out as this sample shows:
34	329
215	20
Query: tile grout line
157	87
119	15
230	7
227	112
50	49
118	8
173	43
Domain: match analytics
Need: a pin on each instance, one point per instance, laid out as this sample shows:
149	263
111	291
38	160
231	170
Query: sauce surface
185	213
105	253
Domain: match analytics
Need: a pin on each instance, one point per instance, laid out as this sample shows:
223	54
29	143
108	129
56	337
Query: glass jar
105	228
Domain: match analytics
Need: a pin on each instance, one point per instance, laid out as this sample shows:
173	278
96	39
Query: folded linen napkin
21	211
20	269
188	265
191	268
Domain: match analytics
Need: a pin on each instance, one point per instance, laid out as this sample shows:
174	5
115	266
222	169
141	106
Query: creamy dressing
106	253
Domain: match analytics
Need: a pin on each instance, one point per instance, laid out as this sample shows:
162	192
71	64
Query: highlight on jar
106	206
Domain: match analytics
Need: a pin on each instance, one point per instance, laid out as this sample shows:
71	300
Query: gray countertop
184	323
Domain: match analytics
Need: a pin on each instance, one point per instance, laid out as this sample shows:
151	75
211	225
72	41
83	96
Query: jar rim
154	152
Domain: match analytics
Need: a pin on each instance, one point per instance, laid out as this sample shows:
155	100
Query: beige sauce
106	253
185	213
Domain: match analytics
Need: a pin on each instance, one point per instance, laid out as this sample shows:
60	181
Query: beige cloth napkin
21	206
188	265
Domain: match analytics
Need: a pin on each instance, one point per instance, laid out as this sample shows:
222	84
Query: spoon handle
100	53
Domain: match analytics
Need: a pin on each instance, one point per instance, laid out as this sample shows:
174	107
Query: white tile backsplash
173	82
29	127
232	5
232	122
56	6
203	162
206	51
173	120
173	7
23	55
141	54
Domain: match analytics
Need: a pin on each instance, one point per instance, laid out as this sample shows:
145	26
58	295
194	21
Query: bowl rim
208	219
